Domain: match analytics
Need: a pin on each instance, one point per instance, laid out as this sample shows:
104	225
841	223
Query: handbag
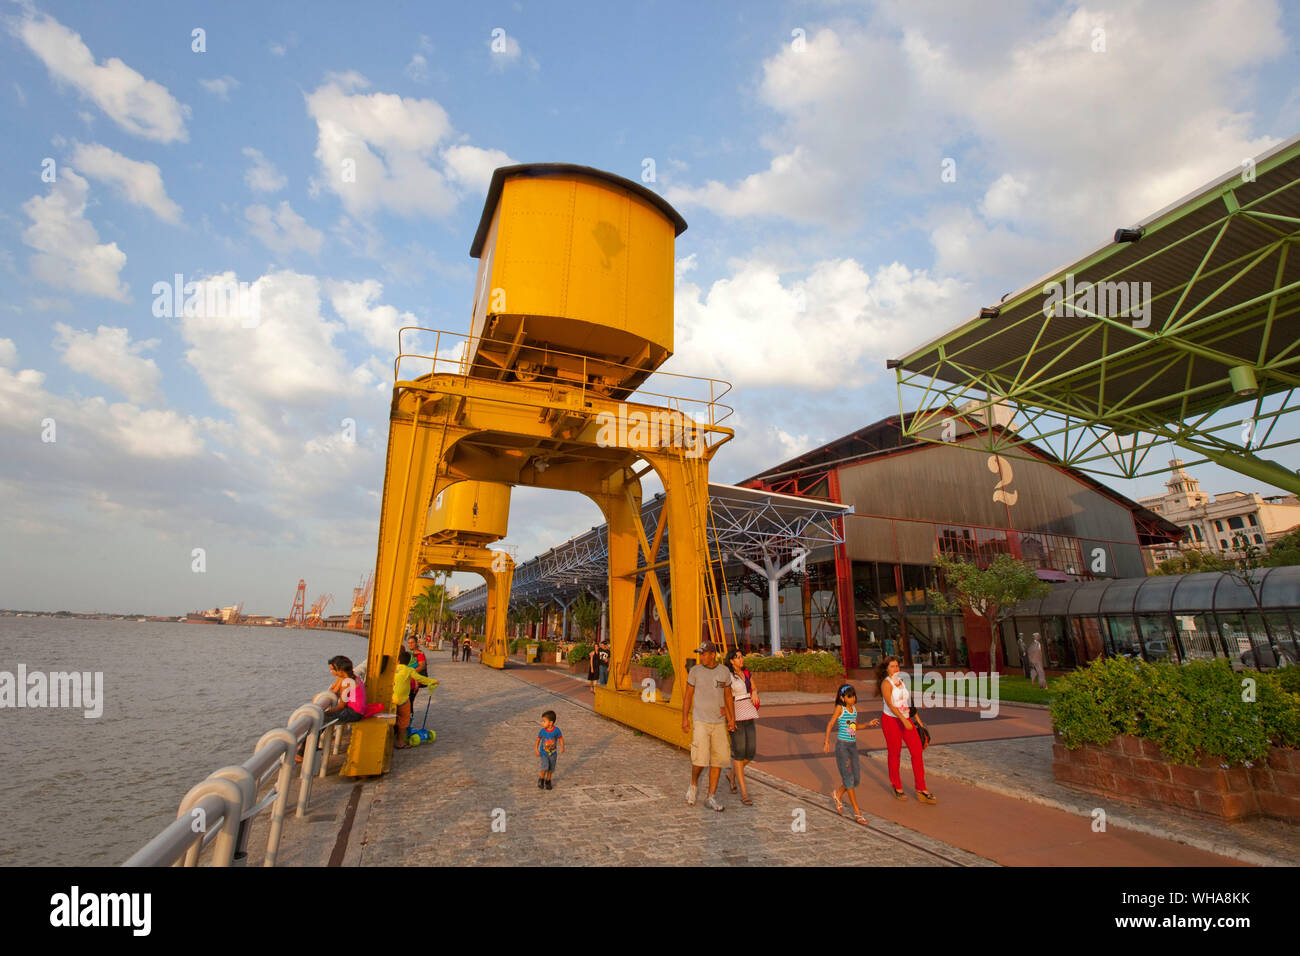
922	731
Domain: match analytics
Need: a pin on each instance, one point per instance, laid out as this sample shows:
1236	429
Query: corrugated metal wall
950	485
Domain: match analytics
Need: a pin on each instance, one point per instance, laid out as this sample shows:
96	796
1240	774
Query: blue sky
801	141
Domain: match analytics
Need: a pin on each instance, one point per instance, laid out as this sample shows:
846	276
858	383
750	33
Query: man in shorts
708	703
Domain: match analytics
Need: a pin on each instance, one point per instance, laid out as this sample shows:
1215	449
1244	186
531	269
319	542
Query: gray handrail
220	810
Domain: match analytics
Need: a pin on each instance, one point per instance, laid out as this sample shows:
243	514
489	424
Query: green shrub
1201	708
662	663
818	663
1289	678
546	647
579	652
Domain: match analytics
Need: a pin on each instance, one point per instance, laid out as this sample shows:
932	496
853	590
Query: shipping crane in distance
360	598
315	617
297	616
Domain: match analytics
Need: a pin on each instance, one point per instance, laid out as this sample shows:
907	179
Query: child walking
844	721
550	743
403	679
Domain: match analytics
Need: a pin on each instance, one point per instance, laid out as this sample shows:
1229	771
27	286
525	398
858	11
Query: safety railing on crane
692	396
219	812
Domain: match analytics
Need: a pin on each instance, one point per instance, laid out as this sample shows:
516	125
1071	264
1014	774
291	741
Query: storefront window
1235	636
1055	654
1157	637
1088	644
1123	636
1196	634
823	611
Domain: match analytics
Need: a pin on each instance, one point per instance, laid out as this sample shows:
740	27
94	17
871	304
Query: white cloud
287	360
842	103
138	105
283	230
93	429
155	433
833	329
220	86
110	356
377	323
504	48
377	151
1004	199
418	69
8	353
1056	137
472	167
138	182
262	176
682	267
69	253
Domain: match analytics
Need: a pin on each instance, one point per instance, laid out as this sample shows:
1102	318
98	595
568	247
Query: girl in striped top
844	721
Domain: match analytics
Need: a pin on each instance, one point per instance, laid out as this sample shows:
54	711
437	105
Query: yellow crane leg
414	451
686	521
498	600
497	570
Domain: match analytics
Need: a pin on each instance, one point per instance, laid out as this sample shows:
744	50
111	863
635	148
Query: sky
155	462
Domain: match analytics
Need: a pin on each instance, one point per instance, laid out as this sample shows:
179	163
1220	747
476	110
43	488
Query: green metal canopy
1185	330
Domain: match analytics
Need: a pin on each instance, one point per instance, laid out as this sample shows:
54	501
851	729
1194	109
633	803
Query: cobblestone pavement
471	797
1023	768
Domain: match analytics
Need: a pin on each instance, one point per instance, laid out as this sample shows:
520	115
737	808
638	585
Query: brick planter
812	684
788	680
774	680
1135	771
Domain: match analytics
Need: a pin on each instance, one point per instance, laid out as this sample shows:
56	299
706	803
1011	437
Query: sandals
746	801
731	781
839	807
925	796
859	818
900	795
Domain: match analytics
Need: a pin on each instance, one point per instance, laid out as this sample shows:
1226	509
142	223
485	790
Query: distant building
1224	525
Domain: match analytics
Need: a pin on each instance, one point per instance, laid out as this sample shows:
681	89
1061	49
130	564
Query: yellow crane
556	386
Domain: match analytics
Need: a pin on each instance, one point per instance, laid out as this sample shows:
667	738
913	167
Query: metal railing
453	353
219	812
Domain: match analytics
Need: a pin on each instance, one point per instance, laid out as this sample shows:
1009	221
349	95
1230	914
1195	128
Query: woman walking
899	725
744	741
844	721
591	668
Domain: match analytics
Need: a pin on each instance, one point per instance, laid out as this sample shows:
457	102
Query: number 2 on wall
1000	466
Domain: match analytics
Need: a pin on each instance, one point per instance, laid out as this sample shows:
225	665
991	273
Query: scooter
423	735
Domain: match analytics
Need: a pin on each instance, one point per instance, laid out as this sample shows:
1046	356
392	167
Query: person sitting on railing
351	694
402	680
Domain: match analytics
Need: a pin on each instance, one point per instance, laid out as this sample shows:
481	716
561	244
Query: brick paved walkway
619	797
997	825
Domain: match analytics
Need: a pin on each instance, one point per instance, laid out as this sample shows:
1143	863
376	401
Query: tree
586	616
429	608
1190	562
1285	550
991	593
530	614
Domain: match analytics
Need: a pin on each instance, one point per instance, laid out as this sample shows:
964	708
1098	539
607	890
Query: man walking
708	703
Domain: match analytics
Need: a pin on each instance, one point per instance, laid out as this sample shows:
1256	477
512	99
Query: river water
179	701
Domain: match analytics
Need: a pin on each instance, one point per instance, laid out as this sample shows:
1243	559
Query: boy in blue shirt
550	743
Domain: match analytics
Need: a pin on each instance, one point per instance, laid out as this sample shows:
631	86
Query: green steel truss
1141	344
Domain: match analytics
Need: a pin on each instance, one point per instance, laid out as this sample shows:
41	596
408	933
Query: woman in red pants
897	721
